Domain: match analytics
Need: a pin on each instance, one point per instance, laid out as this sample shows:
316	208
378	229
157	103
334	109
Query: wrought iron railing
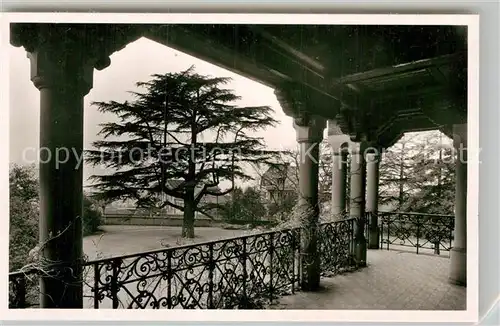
427	233
231	273
336	247
243	272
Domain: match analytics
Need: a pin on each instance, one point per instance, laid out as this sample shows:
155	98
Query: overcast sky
134	63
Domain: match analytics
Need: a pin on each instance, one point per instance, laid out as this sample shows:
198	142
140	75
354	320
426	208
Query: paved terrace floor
393	280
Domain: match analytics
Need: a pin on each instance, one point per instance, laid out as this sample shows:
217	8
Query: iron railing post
170	276
245	272
437	250
388	233
19	292
353	235
381	239
22	292
418	234
271	274
368	225
299	257
211	268
293	256
97	277
114	282
451	226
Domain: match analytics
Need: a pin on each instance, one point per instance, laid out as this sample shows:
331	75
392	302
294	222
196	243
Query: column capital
360	148
372	152
50	69
309	129
372	157
336	138
66	54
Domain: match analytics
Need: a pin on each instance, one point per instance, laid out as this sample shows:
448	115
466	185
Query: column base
458	267
310	262
373	239
311	274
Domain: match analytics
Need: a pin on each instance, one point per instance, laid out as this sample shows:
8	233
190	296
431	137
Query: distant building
280	182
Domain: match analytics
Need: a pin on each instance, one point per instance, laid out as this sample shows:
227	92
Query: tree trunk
189	202
189	209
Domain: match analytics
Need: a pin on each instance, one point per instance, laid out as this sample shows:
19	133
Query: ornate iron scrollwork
420	231
238	273
336	247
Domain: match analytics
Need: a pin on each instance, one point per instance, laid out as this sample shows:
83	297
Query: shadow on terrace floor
393	280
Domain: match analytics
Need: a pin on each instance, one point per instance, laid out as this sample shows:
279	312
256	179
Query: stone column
357	200
458	253
309	135
339	184
339	143
372	181
63	78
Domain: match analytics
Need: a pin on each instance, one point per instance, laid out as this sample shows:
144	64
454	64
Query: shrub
23	217
245	206
24	213
92	216
23	235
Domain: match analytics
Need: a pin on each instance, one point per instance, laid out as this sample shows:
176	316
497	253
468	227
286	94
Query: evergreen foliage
418	174
184	126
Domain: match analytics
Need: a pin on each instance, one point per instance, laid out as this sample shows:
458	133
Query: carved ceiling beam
290	49
444	112
440	107
355	123
392	132
309	70
294	100
401	68
248	54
